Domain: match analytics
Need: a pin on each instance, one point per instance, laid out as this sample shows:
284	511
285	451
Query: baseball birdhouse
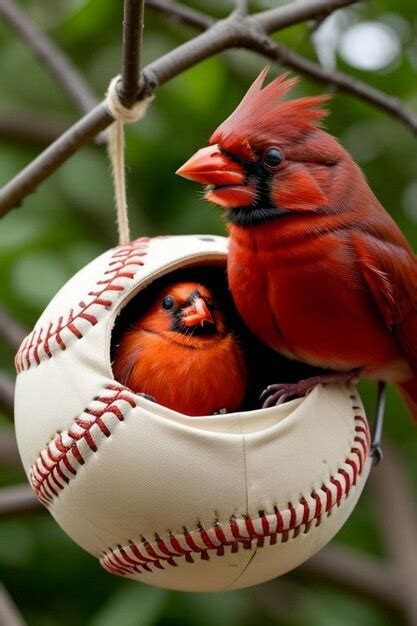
206	502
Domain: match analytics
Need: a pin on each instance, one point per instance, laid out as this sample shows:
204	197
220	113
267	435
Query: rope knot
116	147
119	111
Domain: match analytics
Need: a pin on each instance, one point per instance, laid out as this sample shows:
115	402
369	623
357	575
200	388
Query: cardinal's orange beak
197	313
211	166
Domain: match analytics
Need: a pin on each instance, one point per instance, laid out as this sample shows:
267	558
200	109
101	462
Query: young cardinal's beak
197	313
211	166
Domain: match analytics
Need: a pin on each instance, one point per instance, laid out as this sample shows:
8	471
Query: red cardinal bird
182	353
317	268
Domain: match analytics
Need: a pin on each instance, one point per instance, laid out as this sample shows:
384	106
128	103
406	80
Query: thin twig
222	35
342	82
6	395
355	571
51	57
182	14
9	613
31	127
9	454
278	52
51	158
17	500
11	331
241	7
132	50
234	31
275	19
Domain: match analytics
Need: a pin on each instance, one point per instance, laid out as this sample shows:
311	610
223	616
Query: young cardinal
182	353
317	268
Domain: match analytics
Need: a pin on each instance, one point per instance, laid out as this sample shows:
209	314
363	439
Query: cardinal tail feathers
409	393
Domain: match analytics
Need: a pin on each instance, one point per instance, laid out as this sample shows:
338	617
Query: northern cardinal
317	268
182	353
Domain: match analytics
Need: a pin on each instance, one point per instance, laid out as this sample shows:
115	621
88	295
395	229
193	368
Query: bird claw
220	412
147	397
275	395
265	393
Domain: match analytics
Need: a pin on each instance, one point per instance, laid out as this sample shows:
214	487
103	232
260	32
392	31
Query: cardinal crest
263	115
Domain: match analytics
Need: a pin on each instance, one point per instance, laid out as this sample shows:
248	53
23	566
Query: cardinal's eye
168	303
272	158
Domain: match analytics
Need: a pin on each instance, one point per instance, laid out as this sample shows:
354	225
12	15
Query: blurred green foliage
71	219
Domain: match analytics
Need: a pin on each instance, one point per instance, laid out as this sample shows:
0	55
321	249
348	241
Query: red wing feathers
390	271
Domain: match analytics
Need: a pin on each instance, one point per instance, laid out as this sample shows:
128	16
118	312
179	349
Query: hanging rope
116	148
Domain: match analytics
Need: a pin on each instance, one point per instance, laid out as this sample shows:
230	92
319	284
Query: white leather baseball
191	503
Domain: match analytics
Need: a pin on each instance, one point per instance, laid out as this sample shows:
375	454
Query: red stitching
143	556
44	341
63	456
60	461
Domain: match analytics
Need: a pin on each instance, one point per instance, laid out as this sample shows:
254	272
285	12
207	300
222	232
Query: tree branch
52	157
182	14
9	454
17	500
11	331
234	31
396	503
241	7
31	127
6	395
342	82
9	614
276	19
352	570
50	56
258	42
132	50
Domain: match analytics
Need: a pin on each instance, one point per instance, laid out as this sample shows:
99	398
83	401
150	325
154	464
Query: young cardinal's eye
168	303
272	158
